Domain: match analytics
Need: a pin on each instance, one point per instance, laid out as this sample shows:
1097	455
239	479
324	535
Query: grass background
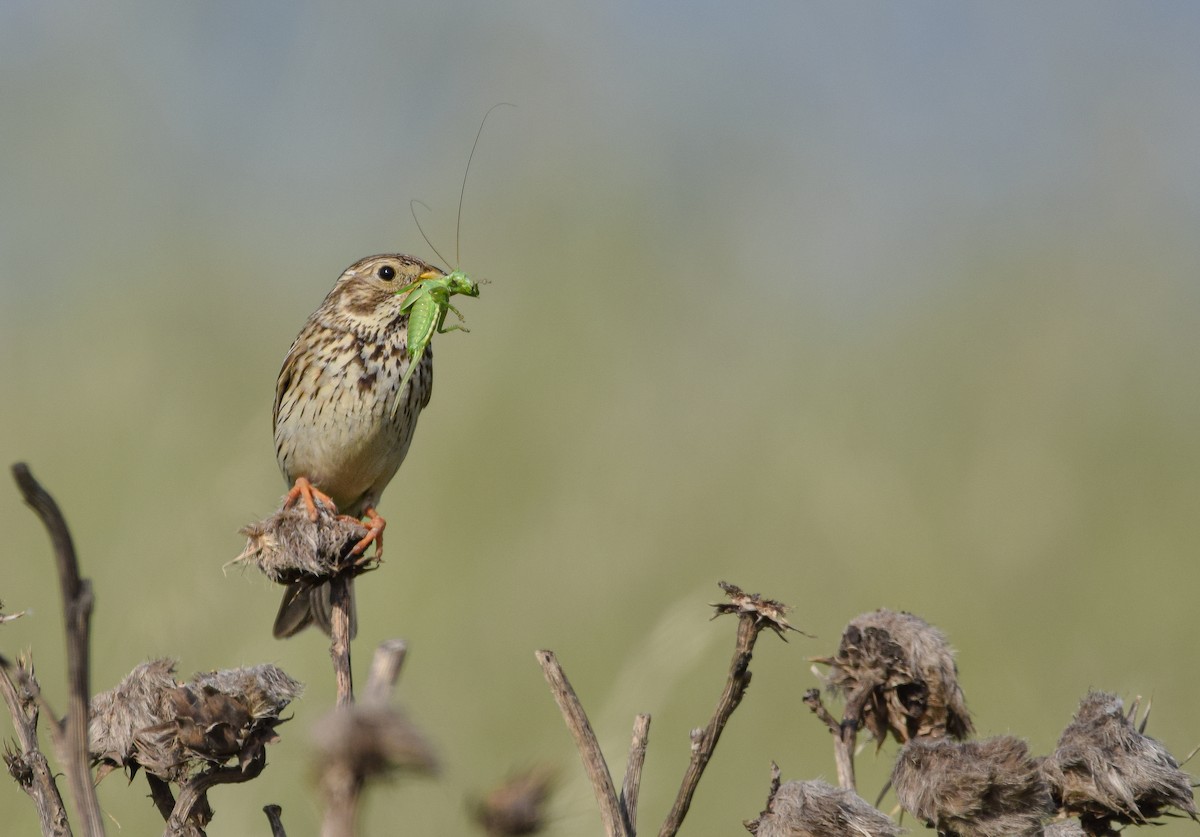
854	306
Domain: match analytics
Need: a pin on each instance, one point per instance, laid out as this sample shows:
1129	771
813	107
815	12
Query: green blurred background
855	305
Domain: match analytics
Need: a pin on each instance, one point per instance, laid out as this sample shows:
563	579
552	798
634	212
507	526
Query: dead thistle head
1106	771
989	788
172	729
817	809
289	547
765	613
903	670
368	740
516	806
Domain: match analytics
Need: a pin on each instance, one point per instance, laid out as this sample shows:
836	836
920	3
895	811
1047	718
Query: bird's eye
387	273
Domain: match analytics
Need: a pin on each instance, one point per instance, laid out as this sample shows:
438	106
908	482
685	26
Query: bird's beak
430	274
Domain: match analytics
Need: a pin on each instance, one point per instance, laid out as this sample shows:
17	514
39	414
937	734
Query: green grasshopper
427	304
428	300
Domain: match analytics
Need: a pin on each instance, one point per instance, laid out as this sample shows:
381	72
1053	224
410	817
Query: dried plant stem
342	786
274	817
192	809
385	670
339	646
633	771
71	738
704	741
585	741
342	790
161	795
845	732
39	782
164	801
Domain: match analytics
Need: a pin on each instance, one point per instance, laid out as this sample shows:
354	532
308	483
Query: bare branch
385	670
843	739
274	816
633	771
754	614
77	608
704	741
585	741
339	646
343	778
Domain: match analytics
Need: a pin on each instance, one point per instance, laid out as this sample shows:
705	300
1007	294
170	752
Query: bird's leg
311	495
375	525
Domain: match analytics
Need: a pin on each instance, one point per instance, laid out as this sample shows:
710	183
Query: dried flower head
171	729
117	716
518	805
289	547
1106	771
767	613
902	670
990	788
817	809
365	740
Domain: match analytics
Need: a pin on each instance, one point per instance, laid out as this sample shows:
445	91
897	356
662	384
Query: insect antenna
412	207
462	193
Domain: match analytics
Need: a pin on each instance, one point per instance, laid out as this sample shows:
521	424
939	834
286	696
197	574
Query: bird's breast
336	424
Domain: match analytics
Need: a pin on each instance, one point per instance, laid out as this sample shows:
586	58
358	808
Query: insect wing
415	292
421	319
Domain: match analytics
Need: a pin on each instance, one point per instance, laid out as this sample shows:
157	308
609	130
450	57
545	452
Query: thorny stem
192	805
704	742
161	795
30	767
71	737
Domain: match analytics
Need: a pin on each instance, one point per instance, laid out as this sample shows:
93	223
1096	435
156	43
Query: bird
343	422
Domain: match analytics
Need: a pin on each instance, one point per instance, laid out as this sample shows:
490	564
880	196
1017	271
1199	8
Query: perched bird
342	423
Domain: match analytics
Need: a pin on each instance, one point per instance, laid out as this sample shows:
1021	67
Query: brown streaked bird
340	433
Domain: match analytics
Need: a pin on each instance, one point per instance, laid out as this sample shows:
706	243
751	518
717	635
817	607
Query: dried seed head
767	613
170	729
907	669
817	809
518	805
368	740
118	715
264	691
289	547
1106	771
989	788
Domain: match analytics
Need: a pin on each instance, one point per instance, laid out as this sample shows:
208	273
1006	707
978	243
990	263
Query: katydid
427	304
428	300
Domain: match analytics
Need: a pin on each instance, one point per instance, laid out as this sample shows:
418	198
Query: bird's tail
305	604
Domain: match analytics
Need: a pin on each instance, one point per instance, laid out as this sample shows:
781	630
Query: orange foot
311	495
375	525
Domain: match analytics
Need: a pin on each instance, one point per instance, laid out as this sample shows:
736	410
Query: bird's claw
375	525
303	489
